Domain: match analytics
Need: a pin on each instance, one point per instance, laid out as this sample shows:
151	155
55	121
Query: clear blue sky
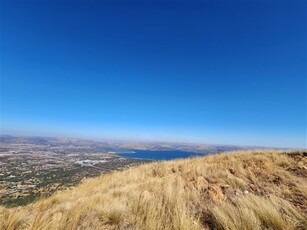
227	72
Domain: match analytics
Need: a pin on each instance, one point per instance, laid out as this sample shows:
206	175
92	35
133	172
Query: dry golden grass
238	190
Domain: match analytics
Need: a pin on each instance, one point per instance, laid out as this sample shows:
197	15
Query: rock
245	192
238	192
57	216
190	185
252	187
229	192
146	195
211	180
216	193
224	186
293	184
201	183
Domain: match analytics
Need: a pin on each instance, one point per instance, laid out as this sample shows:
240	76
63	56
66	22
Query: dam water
159	154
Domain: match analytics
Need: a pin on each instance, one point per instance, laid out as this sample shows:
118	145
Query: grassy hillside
240	190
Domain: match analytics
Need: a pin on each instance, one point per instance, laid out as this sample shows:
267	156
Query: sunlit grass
241	190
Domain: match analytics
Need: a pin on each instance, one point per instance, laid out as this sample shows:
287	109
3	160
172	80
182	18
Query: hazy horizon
215	72
136	140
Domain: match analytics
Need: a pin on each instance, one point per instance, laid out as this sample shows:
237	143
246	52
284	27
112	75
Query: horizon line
144	141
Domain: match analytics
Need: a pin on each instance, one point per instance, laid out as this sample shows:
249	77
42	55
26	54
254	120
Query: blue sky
226	72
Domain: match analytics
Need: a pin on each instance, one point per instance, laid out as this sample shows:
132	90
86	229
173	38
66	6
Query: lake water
159	155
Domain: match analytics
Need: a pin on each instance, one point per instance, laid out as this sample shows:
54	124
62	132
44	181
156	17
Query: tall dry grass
238	190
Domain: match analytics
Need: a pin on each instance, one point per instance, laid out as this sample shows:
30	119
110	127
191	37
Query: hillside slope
236	190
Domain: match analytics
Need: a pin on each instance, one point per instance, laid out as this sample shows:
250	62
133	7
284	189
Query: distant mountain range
119	145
